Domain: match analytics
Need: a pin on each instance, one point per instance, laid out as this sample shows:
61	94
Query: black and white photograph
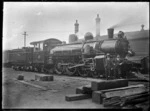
75	55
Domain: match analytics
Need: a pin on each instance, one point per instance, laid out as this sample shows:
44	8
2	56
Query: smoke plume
130	20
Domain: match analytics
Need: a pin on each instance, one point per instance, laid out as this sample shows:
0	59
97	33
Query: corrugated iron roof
35	42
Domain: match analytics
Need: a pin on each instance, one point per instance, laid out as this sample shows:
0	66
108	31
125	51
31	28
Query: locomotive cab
41	52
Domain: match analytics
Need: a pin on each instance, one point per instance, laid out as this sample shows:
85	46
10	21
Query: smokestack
76	27
110	33
142	27
97	26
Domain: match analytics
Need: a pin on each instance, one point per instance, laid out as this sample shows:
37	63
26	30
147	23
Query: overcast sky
56	19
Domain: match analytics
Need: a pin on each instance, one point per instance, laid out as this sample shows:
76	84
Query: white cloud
39	13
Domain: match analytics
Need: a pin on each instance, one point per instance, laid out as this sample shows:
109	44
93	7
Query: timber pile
114	94
87	90
122	97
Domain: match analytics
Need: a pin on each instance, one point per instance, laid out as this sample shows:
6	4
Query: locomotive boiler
87	58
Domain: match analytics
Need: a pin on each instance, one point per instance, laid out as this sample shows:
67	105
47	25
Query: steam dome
72	38
88	36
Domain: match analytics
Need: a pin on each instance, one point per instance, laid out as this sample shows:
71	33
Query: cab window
38	47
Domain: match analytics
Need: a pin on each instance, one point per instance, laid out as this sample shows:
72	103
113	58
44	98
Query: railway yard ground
18	95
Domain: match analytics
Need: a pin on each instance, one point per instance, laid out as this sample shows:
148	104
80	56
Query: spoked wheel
71	71
59	69
49	71
94	74
83	72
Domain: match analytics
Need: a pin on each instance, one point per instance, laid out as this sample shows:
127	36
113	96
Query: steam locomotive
85	58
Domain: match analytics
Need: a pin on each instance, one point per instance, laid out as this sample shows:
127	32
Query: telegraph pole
25	34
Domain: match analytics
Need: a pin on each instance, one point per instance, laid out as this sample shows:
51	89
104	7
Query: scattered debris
43	77
54	91
20	77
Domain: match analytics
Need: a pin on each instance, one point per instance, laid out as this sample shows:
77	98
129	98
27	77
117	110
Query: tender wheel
59	69
83	72
70	72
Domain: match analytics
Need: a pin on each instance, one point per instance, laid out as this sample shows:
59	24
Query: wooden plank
138	80
114	101
87	89
134	99
123	101
96	97
122	88
79	90
74	97
108	84
137	101
99	96
123	92
36	86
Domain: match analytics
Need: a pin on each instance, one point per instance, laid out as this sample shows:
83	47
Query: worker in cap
108	66
120	34
117	67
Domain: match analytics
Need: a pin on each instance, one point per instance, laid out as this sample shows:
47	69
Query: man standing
108	66
117	67
121	35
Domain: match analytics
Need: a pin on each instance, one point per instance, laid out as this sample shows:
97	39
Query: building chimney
97	26
76	27
110	33
142	27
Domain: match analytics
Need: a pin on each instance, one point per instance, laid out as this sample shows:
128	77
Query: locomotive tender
85	58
